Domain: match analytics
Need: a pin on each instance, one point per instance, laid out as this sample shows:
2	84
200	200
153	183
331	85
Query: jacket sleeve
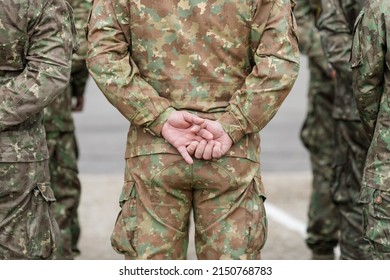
368	62
336	34
309	36
47	70
115	72
80	75
276	67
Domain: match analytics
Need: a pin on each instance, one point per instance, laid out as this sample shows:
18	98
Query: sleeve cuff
156	126
231	126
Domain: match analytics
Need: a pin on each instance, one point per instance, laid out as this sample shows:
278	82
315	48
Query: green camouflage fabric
28	229
336	25
36	45
370	62
61	139
335	22
58	116
66	187
156	201
231	61
317	134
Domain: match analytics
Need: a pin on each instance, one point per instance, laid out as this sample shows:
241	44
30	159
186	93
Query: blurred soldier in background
36	44
371	82
62	143
336	23
317	134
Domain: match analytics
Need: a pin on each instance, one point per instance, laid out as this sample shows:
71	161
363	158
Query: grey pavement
102	131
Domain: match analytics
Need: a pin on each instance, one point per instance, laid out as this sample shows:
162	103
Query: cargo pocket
339	189
256	218
124	236
376	217
42	229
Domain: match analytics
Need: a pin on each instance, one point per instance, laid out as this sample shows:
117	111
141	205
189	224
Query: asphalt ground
101	132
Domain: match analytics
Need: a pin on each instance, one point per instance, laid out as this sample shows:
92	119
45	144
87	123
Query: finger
186	156
192	147
195	128
217	150
204	133
192	118
207	154
200	149
198	138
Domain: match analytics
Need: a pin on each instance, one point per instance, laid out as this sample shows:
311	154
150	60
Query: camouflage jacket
35	47
306	13
234	61
58	115
336	23
371	82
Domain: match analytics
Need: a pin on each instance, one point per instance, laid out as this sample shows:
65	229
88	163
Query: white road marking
285	219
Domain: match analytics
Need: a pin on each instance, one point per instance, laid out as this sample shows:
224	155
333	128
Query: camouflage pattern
28	229
228	209
370	62
36	44
231	61
317	135
61	139
336	23
66	187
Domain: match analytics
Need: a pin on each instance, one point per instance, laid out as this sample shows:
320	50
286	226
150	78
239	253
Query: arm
336	34
115	72
80	74
368	61
47	70
276	66
309	36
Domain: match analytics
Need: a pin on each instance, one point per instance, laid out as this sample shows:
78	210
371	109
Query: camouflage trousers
66	186
351	150
376	212
28	229
160	190
317	135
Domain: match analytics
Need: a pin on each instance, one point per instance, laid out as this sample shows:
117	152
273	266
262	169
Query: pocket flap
259	187
46	191
126	191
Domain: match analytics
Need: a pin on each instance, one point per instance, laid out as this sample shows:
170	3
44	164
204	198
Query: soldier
317	135
62	144
197	80
36	46
371	83
336	25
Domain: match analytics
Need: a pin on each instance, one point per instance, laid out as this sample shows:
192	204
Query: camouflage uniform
151	58
36	47
61	140
371	81
317	135
336	24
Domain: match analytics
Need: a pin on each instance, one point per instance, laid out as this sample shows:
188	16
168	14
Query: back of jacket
35	46
234	61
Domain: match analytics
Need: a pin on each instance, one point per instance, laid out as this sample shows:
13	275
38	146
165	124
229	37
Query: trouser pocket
256	218
124	235
42	229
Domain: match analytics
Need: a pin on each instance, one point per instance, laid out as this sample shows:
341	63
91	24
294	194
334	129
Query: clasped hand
194	136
